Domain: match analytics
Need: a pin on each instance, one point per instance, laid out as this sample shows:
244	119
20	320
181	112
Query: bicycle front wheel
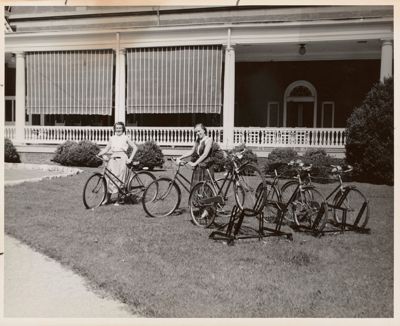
311	210
139	182
248	179
94	191
203	214
161	197
356	206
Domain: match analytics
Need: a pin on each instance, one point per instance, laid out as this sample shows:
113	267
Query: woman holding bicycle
202	154
117	146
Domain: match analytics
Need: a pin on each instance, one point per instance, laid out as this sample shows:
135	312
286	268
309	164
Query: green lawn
169	268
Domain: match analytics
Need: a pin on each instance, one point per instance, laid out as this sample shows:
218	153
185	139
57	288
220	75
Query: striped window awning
174	80
70	82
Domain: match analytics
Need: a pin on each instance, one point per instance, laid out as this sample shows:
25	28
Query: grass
169	268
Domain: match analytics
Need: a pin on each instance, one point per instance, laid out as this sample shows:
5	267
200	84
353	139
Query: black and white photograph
230	159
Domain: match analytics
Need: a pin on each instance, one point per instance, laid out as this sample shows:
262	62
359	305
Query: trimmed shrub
71	153
10	152
248	155
222	162
370	136
278	160
149	155
321	163
320	160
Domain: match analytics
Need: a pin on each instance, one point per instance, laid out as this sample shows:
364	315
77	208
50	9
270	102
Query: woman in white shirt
118	146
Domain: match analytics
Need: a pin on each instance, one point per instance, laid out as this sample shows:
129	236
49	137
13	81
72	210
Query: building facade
266	76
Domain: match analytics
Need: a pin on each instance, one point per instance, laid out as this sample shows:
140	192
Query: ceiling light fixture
302	49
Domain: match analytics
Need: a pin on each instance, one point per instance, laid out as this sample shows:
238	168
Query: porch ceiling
329	50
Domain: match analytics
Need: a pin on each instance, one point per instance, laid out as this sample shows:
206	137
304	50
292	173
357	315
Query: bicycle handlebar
181	163
299	165
135	163
337	169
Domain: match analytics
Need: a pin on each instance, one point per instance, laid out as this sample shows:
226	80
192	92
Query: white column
386	59
229	97
20	98
120	85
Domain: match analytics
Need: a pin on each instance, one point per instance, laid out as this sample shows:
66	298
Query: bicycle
162	196
208	198
132	188
273	194
349	200
301	204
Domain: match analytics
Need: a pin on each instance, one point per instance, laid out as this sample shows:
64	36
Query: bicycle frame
121	185
218	189
180	179
230	177
339	186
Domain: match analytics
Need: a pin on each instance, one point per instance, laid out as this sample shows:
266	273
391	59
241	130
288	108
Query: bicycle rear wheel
357	208
161	197
247	181
231	198
202	214
94	191
311	210
270	209
287	190
138	184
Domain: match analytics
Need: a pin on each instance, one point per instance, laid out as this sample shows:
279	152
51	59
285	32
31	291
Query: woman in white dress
117	146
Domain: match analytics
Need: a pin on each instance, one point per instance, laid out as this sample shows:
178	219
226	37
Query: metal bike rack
235	231
313	228
344	226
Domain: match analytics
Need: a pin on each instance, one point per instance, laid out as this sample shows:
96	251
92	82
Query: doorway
300	105
300	114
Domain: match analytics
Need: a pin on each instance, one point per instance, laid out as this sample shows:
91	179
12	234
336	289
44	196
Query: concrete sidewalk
37	286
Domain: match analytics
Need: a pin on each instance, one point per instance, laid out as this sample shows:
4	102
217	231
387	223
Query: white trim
386	59
229	97
323	104
262	33
312	98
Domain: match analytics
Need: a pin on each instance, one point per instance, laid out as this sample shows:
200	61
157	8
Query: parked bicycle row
242	191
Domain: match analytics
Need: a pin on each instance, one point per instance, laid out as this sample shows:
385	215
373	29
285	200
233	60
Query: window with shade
328	114
174	80
273	114
70	82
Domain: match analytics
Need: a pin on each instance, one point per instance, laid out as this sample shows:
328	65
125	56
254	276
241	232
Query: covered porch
269	84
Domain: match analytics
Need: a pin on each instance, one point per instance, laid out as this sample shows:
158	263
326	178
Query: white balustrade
290	137
185	136
9	132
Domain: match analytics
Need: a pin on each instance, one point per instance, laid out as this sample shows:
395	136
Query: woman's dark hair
202	126
121	124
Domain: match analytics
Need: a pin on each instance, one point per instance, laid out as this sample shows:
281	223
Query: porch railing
291	137
9	132
184	136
